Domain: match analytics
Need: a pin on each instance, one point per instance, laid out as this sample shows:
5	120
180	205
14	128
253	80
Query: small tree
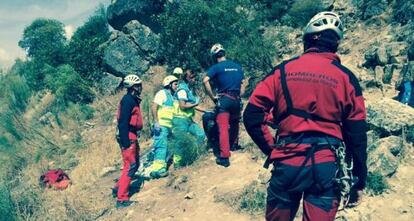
86	42
45	41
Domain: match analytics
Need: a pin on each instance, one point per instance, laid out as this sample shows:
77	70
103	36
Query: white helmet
216	48
325	21
178	71
130	80
167	80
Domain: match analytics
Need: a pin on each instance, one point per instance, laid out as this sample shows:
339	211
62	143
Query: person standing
129	123
187	104
317	104
163	112
227	76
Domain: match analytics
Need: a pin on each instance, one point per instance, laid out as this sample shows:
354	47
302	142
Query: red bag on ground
57	179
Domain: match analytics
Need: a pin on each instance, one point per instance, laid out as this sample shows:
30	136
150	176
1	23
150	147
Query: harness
343	178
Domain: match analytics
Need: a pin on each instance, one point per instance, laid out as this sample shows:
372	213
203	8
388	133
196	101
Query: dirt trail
191	193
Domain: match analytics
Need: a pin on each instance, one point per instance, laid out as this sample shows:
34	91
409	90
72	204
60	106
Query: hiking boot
235	147
159	174
114	192
223	161
123	204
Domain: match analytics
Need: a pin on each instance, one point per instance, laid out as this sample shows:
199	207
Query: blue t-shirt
227	76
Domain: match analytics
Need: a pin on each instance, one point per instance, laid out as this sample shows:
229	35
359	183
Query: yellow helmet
178	71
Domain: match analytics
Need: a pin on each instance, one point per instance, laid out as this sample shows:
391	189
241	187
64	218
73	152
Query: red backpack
57	179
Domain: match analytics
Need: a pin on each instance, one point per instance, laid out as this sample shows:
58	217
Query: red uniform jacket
129	119
319	86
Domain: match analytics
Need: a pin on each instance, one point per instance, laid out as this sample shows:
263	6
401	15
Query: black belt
316	140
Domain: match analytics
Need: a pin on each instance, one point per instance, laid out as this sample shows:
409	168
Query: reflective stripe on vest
166	110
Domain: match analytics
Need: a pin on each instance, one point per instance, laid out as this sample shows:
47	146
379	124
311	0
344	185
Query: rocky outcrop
385	155
132	50
384	61
108	84
388	53
120	12
389	117
147	41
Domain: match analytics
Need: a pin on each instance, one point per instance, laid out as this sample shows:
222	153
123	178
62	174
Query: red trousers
228	118
289	184
130	157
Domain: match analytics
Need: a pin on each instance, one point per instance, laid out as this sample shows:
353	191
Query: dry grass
89	195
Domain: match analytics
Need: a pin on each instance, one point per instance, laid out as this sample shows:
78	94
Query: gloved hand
156	129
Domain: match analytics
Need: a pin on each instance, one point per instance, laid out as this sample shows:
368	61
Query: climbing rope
344	178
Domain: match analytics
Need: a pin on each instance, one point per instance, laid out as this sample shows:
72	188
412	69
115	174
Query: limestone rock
120	12
123	56
384	155
146	40
108	83
389	117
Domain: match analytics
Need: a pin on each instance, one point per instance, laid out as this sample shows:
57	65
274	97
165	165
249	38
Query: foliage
16	93
6	203
273	10
188	147
193	26
68	86
45	41
301	12
79	112
376	183
403	11
85	43
27	200
251	199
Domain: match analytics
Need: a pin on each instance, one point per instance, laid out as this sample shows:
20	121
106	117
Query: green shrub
376	183
6	203
403	11
187	146
68	86
85	43
79	112
301	12
252	199
273	10
193	26
16	93
27	200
